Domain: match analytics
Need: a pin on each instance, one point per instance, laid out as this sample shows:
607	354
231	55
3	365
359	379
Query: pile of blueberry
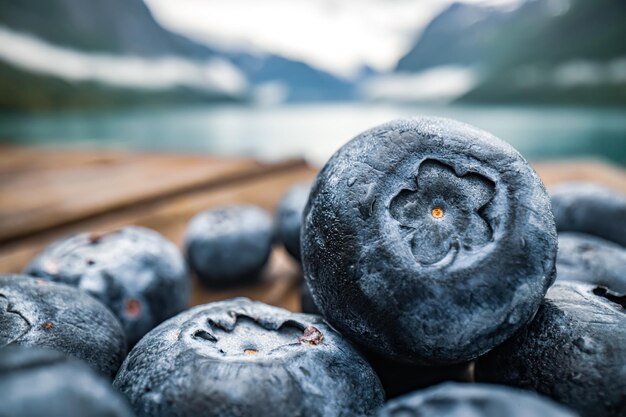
429	250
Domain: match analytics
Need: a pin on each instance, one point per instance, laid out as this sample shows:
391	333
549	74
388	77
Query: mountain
113	26
26	91
461	35
545	51
301	81
87	53
56	54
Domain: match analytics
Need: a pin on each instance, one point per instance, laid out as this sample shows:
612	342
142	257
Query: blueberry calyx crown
444	213
243	336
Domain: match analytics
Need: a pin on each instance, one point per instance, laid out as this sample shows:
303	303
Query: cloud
572	74
439	84
340	36
35	55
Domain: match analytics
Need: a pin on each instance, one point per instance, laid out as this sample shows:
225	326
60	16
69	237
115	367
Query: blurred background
283	78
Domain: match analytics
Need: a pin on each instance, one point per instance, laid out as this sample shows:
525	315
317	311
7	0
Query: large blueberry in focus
36	382
591	259
428	241
239	358
230	245
34	312
475	400
136	272
574	351
590	208
289	217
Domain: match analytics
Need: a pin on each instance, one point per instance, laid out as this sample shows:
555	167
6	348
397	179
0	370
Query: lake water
314	131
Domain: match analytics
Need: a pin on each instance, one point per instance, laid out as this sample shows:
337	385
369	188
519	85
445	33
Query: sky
339	36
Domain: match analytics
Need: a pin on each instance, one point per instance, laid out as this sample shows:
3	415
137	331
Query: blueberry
574	351
230	245
36	382
34	312
591	259
399	378
289	217
428	241
243	358
480	400
590	208
136	272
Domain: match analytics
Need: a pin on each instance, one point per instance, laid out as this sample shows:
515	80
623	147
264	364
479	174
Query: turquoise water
314	131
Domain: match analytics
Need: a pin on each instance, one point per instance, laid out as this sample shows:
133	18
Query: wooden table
46	194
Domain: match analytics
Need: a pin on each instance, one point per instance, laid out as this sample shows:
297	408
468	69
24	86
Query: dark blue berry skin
229	246
240	358
34	312
289	217
428	241
141	276
306	301
591	259
475	400
399	378
36	382
590	208
574	351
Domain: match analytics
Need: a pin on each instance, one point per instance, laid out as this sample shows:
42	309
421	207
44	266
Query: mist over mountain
300	81
55	51
545	51
88	53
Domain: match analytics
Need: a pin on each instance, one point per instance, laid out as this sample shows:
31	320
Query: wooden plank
281	280
14	160
45	189
555	172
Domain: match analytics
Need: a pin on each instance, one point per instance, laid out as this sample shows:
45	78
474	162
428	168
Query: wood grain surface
40	190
